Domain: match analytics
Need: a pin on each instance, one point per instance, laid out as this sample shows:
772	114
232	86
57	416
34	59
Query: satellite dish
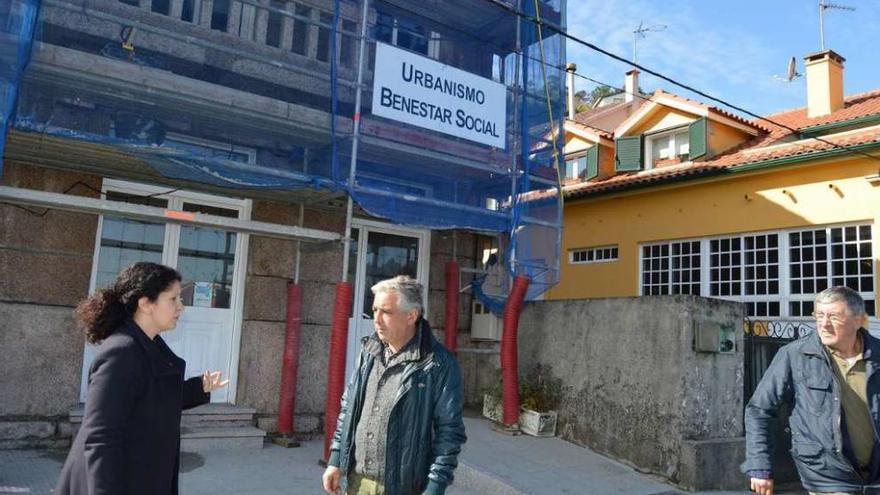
791	74
792	70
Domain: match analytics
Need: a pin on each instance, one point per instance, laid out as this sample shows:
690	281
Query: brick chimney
631	86
824	83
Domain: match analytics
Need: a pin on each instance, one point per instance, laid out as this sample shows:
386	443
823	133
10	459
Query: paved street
491	463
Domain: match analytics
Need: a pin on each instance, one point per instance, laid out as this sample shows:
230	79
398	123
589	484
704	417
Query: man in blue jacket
399	430
829	379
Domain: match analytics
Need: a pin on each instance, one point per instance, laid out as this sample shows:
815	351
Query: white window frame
577	170
785	296
175	199
597	253
649	144
669	283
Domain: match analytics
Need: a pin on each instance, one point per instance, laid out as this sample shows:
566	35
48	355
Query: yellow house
684	198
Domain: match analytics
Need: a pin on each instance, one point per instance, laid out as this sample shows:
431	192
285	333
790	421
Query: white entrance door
380	251
210	260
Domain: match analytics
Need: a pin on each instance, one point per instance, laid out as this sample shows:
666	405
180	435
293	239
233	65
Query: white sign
425	93
203	294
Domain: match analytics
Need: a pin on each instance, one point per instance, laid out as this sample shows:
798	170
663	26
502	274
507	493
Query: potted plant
540	394
492	408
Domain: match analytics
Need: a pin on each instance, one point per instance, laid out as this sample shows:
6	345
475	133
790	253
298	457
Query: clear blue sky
730	49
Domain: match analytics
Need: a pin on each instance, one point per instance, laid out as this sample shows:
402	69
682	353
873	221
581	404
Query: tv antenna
640	33
823	6
791	74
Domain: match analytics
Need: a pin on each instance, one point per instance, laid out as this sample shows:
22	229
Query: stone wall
636	389
45	265
270	267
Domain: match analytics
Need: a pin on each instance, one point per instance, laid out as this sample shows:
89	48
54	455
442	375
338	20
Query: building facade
207	135
699	201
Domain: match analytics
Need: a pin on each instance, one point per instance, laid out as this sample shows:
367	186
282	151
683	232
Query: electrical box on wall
713	336
484	324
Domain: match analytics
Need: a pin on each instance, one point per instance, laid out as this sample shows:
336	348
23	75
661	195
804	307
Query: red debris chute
336	367
509	362
290	363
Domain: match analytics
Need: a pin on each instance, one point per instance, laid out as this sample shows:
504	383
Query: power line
654	73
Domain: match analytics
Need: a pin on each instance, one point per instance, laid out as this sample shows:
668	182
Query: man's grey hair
853	300
408	290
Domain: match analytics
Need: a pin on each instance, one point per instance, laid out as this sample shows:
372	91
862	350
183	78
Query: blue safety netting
17	21
455	124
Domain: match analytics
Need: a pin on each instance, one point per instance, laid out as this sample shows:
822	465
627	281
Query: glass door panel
125	241
387	256
378	253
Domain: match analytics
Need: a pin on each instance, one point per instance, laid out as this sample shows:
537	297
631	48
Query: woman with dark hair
129	442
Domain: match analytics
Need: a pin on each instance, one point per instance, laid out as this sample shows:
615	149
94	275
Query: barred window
820	258
593	255
726	267
775	274
671	268
746	268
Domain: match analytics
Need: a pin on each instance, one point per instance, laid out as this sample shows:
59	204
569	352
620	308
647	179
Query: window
348	49
667	148
300	42
593	255
776	274
671	268
575	167
746	268
326	26
275	24
820	258
401	32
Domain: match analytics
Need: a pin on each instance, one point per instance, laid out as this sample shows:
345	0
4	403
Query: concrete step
218	416
206	439
215	415
209	427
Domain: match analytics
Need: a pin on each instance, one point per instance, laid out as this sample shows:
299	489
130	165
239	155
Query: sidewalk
491	464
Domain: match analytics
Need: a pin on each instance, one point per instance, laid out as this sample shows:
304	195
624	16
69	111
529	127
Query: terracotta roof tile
856	106
586	127
760	125
742	155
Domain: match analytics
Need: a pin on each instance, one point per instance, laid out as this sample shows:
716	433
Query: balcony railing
293	26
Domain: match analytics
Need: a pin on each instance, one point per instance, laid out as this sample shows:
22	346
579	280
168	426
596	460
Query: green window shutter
628	154
697	138
592	162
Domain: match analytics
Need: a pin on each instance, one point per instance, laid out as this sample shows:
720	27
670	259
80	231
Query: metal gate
763	339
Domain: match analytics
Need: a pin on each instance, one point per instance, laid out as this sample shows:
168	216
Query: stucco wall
635	387
771	200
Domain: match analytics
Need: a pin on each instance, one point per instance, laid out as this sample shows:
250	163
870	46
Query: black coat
129	442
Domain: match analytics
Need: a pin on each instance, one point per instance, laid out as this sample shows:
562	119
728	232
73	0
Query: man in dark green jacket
399	430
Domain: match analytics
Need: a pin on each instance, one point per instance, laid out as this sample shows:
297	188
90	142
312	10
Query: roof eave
733	169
